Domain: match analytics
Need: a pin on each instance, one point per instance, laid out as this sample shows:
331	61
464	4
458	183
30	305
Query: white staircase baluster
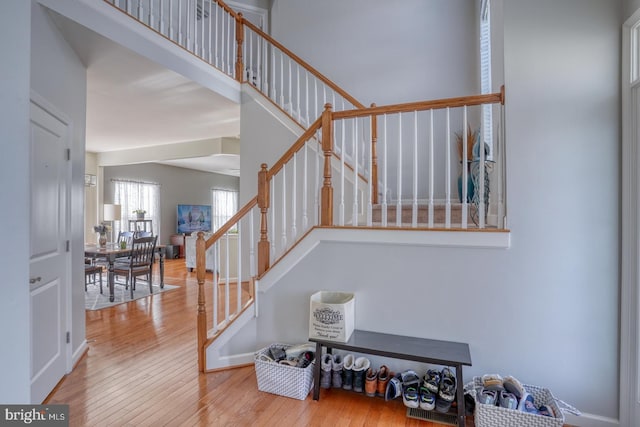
239	273
294	180
431	171
252	246
316	192
465	169
180	30
223	58
342	177
298	112
290	93
227	303
189	33
479	191
171	30
500	163
152	22
273	74
232	44
272	203
284	208
370	178
260	81
315	97
447	220
140	11
210	36
282	80
414	212
399	174
216	284
305	173
251	81
306	98
383	207
354	210
216	33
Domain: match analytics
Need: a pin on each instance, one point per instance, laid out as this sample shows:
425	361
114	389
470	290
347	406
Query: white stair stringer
219	355
237	344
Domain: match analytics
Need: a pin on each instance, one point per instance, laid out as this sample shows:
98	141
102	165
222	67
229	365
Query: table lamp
112	213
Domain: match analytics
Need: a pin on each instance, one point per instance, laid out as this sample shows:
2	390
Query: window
225	205
485	71
133	195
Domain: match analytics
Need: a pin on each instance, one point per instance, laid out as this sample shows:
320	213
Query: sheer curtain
132	195
225	205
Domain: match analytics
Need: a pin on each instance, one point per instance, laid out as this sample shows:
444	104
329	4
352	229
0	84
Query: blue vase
470	188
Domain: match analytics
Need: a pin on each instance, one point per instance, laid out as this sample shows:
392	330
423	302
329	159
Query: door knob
34	280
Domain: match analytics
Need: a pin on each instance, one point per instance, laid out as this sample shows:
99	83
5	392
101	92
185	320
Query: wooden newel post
326	195
202	313
374	158
239	41
263	204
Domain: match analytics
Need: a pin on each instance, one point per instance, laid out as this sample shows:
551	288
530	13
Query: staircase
353	168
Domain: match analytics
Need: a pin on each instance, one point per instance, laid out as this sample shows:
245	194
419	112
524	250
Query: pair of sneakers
505	392
446	390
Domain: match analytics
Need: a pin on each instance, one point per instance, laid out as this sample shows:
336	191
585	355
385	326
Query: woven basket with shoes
496	416
281	379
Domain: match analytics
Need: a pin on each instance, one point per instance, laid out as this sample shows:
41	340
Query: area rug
94	300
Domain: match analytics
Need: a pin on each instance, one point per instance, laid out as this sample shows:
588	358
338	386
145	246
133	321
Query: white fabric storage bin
283	380
332	315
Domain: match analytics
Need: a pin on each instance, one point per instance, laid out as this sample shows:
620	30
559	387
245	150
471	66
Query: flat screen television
193	218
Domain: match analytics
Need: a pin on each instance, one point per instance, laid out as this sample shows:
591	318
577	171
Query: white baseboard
78	353
590	420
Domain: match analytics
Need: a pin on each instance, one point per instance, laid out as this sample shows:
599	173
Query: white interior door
48	257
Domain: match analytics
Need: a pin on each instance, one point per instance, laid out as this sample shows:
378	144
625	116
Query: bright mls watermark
34	415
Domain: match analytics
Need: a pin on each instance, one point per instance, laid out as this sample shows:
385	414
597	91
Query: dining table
111	252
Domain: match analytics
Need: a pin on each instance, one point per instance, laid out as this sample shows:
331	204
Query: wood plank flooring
141	370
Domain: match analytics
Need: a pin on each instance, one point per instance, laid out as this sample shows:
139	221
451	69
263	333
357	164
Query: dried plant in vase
472	137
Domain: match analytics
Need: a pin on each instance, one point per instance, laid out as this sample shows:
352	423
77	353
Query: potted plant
140	213
102	230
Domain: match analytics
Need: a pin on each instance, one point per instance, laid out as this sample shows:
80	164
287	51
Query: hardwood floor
141	370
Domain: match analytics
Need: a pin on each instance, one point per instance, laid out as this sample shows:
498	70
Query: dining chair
125	236
143	234
139	263
90	272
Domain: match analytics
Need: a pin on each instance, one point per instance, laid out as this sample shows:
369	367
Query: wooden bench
423	350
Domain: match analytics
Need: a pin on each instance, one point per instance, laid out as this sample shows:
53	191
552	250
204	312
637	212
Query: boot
371	382
325	372
337	364
347	372
360	367
383	378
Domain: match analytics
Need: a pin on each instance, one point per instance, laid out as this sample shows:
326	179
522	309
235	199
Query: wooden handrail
227	8
232	221
493	98
279	164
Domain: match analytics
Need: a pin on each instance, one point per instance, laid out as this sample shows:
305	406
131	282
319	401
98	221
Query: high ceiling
133	103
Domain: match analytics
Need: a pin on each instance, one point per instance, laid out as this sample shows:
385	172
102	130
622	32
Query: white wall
363	44
546	309
58	75
630	6
15	40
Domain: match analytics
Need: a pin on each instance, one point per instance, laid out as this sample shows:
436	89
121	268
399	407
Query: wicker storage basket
283	380
495	416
